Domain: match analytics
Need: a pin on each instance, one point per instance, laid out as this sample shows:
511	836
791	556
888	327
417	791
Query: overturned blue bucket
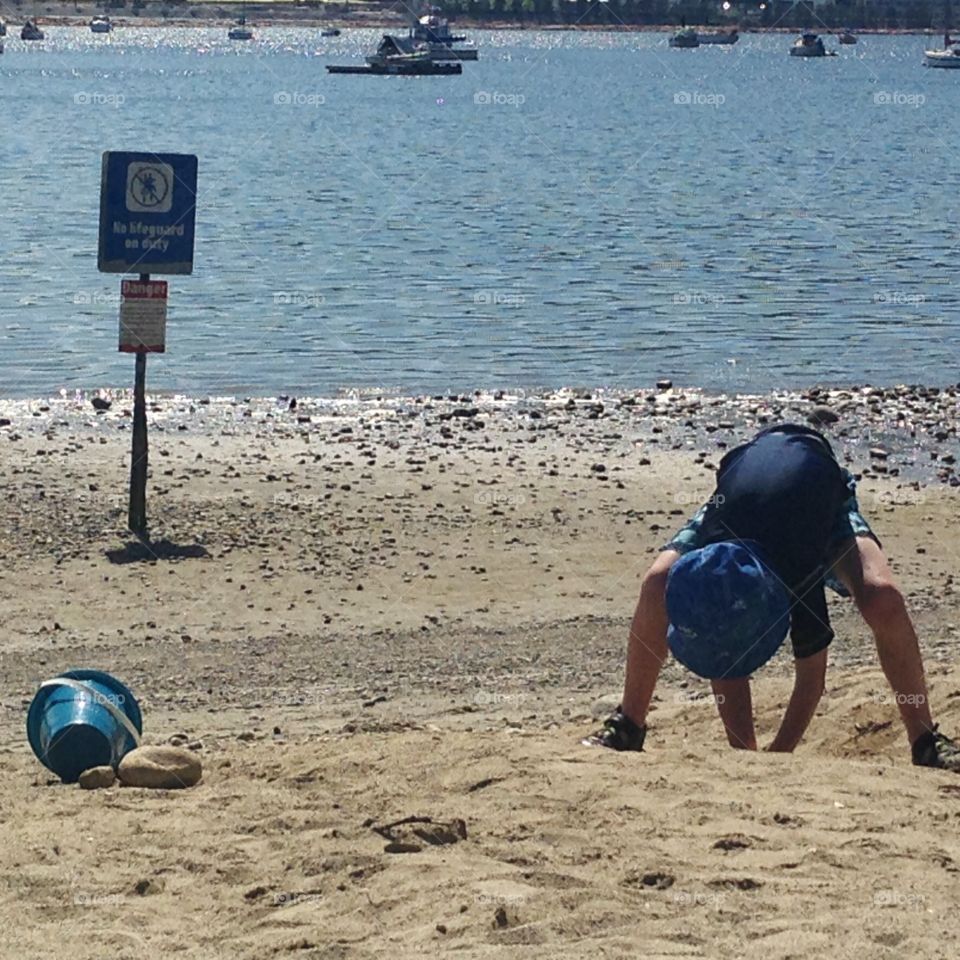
83	719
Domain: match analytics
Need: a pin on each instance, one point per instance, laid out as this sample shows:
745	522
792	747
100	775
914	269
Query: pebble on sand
163	768
97	777
822	416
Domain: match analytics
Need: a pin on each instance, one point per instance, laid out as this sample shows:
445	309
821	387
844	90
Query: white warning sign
149	187
143	316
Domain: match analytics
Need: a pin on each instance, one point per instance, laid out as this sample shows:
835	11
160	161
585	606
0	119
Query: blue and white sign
148	204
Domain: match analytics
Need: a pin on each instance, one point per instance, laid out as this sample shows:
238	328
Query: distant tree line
857	14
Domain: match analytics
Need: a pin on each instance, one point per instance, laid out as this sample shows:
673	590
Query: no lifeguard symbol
149	187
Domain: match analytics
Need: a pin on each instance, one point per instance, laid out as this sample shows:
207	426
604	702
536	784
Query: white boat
101	25
716	39
431	34
240	31
809	45
432	28
948	58
30	31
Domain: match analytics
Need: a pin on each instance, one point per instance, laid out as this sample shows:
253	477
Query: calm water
575	209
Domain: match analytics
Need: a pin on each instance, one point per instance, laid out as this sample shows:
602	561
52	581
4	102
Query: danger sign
143	316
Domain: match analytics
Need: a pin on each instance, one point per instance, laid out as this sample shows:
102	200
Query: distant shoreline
290	14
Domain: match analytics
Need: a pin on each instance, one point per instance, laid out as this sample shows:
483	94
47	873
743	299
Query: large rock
164	768
97	777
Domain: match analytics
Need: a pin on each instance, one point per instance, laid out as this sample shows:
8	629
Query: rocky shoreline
907	432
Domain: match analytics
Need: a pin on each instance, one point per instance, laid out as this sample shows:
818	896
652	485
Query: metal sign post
147	212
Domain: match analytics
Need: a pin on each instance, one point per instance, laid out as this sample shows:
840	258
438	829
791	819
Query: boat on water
334	32
717	39
685	39
101	25
947	59
392	59
431	33
809	45
847	37
433	28
240	30
30	31
440	52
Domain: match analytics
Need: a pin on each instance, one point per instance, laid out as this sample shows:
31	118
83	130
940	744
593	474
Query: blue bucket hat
729	613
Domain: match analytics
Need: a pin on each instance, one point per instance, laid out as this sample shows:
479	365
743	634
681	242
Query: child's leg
863	569
647	646
736	712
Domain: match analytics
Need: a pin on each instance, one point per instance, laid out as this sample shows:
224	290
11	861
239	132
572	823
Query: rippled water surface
575	209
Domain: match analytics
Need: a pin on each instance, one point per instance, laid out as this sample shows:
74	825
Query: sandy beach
364	610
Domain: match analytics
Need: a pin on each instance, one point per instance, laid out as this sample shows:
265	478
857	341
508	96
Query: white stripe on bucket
100	699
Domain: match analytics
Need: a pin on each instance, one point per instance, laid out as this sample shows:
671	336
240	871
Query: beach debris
878	453
101	403
413	834
735	841
148	887
788	820
871	726
96	778
161	768
737	883
500	918
655	880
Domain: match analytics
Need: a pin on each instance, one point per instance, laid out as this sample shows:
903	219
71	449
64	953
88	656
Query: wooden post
137	514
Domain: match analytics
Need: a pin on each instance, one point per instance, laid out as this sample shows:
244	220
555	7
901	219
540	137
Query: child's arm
807	689
736	712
